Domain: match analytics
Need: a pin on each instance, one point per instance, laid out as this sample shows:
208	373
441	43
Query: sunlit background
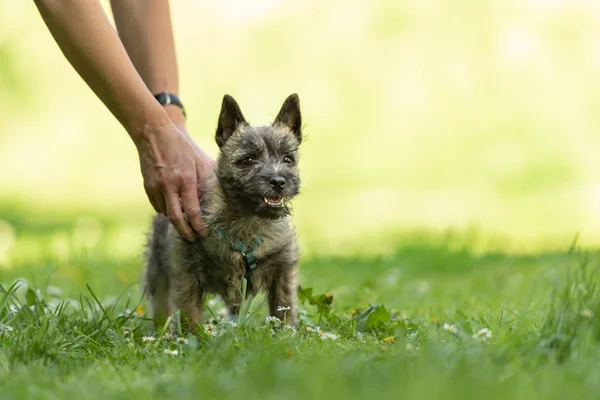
476	122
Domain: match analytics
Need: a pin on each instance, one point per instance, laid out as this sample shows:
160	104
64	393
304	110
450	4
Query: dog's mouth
276	201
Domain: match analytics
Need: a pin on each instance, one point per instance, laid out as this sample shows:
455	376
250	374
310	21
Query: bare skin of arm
171	164
146	32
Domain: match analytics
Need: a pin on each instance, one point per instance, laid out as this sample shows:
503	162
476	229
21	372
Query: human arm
168	158
146	31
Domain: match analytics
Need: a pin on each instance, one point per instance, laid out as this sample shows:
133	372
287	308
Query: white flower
450	328
54	291
148	339
172	352
169	336
587	313
210	329
292	328
126	332
232	324
273	333
327	336
483	333
223	312
274	321
311	329
282	308
182	340
6	330
212	302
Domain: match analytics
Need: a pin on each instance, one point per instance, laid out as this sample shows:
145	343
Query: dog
250	232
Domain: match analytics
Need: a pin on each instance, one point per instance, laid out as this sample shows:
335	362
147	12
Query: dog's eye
248	160
288	159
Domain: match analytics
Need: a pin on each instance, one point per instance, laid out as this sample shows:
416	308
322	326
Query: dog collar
246	249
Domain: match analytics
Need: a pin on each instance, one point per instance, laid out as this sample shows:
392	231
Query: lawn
451	153
429	320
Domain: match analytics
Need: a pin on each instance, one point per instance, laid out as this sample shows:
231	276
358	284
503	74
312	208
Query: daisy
210	329
450	328
483	333
171	352
288	327
182	340
54	291
169	336
6	330
148	339
270	320
311	329
223	312
282	308
328	336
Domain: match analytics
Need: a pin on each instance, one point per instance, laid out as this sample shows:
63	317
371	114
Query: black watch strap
165	99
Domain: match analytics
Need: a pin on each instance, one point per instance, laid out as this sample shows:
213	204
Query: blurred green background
470	121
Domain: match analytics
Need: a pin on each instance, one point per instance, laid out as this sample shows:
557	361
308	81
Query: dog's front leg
188	298
282	296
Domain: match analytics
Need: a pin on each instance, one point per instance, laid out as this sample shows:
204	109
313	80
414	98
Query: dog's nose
277	182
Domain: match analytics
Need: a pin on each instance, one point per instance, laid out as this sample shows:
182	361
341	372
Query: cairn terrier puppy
250	231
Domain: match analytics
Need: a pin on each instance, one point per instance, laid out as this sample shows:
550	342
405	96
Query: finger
152	198
154	203
201	186
176	217
162	204
191	207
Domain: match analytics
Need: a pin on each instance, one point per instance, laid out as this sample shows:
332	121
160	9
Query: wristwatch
165	99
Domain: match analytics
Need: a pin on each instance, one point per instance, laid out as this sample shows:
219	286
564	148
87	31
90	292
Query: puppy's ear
230	119
289	116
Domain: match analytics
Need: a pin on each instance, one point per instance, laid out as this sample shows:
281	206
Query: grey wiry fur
252	164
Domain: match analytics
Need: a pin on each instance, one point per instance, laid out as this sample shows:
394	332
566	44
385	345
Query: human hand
175	172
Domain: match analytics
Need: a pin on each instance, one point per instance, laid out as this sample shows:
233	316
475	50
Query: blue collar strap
247	250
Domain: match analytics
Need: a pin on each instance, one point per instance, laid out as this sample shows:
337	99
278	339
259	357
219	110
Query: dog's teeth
273	202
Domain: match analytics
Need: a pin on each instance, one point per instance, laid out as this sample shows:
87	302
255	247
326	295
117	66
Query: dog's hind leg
157	286
158	291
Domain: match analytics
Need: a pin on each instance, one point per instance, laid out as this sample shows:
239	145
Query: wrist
149	124
176	116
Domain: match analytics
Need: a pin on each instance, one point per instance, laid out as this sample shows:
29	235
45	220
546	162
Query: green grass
388	315
414	119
